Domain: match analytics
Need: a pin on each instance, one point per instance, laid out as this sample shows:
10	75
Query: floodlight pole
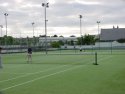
1	26
33	28
1	32
80	16
45	5
6	21
5	14
98	22
33	33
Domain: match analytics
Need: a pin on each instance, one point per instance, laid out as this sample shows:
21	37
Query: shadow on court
1	92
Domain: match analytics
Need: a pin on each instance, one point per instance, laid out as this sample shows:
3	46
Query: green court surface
63	74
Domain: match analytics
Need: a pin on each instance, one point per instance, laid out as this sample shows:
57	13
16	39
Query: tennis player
29	54
0	58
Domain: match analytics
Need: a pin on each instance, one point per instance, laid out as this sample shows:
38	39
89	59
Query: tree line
9	40
84	40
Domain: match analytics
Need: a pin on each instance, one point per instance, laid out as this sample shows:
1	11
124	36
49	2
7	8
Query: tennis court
63	73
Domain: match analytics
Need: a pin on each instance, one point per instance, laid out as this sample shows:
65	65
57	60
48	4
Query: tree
72	36
72	42
55	36
2	40
55	44
42	35
61	36
121	40
61	42
29	41
80	40
86	40
9	40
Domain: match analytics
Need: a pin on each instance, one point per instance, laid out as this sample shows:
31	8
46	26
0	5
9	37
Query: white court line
34	73
30	74
42	77
13	73
103	58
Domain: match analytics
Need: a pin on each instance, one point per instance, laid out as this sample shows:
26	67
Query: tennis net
51	58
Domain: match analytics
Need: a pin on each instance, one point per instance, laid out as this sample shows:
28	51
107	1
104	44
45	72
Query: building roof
112	34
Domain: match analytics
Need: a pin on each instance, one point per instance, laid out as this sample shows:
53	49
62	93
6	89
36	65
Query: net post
96	62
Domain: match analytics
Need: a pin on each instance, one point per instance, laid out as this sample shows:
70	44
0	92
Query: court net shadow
1	92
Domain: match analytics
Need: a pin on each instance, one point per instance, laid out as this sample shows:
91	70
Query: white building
42	40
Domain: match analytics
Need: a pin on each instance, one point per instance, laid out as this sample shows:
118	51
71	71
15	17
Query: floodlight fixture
43	4
80	16
98	21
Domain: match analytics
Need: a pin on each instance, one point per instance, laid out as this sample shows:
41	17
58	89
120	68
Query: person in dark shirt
29	55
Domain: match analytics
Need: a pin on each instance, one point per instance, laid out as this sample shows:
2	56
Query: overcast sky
62	15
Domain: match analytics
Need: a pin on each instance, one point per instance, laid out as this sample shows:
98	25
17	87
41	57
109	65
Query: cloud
62	15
